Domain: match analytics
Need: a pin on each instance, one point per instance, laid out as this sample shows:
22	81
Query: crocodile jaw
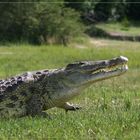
108	72
118	67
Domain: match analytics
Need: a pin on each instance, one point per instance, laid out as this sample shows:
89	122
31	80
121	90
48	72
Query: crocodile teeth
118	67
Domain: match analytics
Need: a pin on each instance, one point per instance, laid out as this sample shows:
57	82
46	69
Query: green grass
111	108
120	28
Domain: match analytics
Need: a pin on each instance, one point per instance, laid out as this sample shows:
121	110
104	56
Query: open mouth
120	68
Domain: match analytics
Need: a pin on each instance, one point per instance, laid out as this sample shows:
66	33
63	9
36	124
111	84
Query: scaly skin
34	92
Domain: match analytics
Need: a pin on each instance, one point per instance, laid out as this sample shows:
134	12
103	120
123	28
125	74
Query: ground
111	108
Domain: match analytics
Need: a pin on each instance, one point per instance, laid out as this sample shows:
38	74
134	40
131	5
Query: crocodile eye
70	65
81	63
75	65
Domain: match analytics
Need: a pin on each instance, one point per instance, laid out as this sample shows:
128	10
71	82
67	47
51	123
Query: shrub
39	22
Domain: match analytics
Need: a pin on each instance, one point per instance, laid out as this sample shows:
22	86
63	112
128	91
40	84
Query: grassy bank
120	28
111	108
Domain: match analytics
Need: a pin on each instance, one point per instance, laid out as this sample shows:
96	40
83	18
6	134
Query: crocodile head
79	75
87	72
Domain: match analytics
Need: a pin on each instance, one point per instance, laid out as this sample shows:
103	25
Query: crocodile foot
70	107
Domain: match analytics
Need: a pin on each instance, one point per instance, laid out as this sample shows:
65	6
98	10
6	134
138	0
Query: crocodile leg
35	107
70	107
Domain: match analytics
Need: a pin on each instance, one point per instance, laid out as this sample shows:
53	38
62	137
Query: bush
59	25
39	22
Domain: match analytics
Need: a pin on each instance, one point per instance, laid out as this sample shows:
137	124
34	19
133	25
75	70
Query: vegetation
110	108
58	22
39	23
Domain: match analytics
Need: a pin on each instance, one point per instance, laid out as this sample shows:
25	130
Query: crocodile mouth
111	69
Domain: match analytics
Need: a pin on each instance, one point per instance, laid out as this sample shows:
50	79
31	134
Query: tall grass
111	108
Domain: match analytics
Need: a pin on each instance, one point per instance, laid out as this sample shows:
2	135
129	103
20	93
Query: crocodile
32	93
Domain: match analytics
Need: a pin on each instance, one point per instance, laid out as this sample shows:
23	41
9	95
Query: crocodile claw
73	108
